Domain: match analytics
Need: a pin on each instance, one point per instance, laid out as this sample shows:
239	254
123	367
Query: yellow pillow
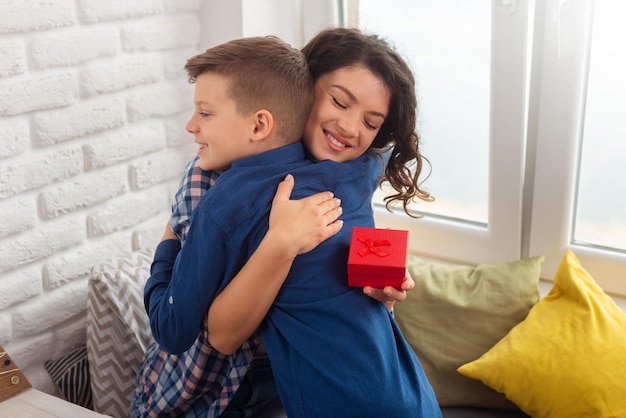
568	357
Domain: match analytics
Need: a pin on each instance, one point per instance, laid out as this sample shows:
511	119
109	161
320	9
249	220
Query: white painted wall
294	21
93	104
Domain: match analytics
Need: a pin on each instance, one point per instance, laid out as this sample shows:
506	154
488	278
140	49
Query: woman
364	101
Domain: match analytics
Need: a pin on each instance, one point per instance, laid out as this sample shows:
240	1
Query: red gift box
377	257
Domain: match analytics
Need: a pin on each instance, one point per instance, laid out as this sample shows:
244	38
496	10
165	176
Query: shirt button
171	300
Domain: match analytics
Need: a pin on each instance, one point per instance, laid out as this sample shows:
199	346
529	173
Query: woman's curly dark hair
335	48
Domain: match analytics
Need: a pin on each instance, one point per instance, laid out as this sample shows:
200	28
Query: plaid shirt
201	381
193	185
198	383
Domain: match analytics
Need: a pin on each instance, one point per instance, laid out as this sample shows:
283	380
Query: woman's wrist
279	245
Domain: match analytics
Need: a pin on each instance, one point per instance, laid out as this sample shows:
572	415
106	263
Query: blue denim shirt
334	351
229	223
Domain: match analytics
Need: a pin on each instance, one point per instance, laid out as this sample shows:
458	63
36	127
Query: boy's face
221	132
349	108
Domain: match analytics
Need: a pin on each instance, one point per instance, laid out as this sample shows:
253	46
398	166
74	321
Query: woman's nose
348	126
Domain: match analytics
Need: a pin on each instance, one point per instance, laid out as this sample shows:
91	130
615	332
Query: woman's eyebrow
354	99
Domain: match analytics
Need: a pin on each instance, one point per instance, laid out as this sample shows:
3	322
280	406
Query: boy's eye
339	104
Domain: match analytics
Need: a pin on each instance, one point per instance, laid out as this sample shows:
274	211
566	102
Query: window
547	79
458	152
544	122
471	69
578	174
600	218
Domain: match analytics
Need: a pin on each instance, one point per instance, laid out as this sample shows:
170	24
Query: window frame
501	239
531	209
560	88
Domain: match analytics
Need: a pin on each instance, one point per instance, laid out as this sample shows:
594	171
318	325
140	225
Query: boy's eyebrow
354	99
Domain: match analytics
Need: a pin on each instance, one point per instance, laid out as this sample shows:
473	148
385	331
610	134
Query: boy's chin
211	167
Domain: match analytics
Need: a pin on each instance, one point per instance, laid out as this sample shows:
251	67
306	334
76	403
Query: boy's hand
390	295
303	224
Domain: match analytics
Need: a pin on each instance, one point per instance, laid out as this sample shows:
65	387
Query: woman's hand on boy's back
303	224
295	227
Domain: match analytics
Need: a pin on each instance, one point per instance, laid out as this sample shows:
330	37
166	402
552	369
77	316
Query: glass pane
601	200
447	42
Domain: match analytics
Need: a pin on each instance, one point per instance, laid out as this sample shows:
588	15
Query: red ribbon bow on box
372	246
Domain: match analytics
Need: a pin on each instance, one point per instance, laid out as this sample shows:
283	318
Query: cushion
118	330
568	357
456	313
70	373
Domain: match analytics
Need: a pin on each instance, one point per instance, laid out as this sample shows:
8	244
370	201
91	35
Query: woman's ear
263	125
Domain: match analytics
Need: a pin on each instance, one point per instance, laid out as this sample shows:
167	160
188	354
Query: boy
252	98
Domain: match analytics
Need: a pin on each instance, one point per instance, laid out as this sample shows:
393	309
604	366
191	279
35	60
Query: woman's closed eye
370	125
343	106
338	103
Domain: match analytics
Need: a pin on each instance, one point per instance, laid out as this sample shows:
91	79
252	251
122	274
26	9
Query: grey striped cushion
118	330
71	375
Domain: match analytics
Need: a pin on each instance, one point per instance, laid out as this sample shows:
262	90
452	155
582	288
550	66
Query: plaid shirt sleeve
198	383
193	185
201	381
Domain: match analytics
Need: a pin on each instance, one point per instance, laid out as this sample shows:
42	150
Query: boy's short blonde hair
263	73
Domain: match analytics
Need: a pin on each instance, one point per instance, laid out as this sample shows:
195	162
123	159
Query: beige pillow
118	330
457	313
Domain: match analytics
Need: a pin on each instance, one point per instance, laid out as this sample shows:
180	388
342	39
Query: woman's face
349	108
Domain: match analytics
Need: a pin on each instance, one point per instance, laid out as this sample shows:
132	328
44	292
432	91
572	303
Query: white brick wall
93	104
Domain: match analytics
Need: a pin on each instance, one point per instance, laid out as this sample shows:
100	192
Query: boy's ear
263	124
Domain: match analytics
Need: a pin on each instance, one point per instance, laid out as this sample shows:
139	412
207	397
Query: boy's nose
191	127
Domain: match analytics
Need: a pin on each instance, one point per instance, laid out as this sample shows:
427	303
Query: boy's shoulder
369	164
